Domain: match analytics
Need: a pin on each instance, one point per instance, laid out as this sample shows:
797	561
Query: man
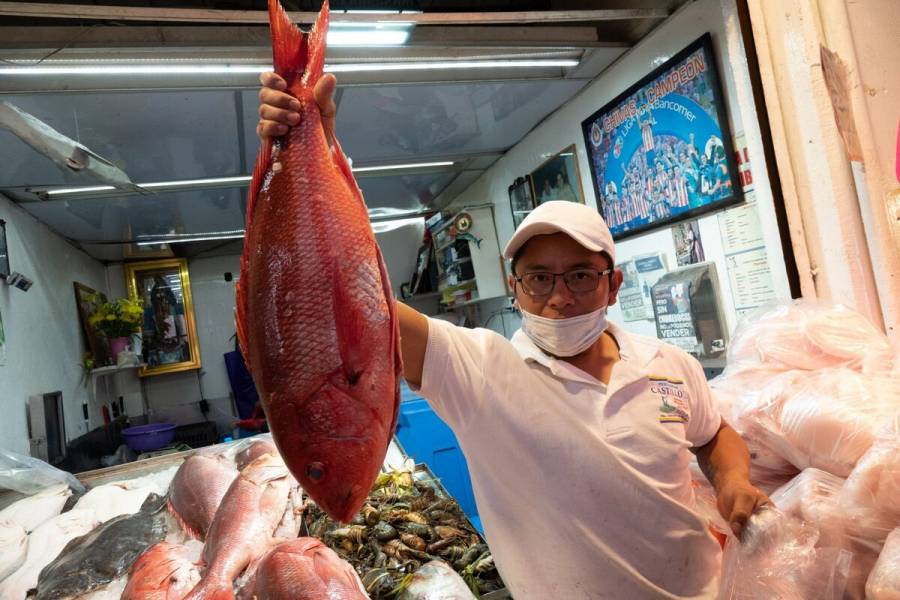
581	478
564	191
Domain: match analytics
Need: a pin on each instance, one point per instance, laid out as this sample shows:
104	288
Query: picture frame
169	333
558	178
4	252
661	152
521	200
86	300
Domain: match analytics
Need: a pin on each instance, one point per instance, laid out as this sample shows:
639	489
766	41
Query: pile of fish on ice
223	524
814	389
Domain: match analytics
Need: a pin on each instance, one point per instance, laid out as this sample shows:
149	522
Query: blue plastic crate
427	439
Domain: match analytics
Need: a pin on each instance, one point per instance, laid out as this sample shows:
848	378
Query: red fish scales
316	316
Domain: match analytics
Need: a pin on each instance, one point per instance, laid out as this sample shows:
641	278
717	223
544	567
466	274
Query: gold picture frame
169	333
558	178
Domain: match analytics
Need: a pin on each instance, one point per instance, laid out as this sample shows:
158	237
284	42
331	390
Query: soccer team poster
661	152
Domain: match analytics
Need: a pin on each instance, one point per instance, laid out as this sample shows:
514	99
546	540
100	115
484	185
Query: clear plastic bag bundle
870	500
825	419
884	581
831	417
29	475
813	497
810	335
779	557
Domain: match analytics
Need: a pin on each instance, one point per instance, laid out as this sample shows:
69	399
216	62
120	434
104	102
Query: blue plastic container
427	439
146	438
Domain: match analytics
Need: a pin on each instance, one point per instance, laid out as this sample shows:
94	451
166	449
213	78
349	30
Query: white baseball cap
580	222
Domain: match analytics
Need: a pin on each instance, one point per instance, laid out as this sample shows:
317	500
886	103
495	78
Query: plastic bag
826	419
750	400
870	500
884	581
778	557
29	475
812	496
810	335
832	417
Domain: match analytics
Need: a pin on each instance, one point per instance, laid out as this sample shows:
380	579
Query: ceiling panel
404	122
153	136
404	192
117	219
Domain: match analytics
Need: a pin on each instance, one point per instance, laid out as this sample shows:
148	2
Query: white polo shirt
583	489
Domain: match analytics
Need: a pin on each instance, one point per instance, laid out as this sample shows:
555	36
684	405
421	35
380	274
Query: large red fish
304	569
315	316
163	572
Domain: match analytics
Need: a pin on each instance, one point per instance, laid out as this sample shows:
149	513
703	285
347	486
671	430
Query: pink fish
316	318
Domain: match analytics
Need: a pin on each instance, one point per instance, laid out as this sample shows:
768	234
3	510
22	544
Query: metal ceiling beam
199	15
241	36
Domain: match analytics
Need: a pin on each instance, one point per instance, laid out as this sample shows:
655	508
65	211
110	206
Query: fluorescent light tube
135	70
179	69
380	227
377	37
80	190
444	163
171	239
162	185
444	65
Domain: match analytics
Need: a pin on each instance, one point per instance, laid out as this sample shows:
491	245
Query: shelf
458	285
469	302
114	368
425	296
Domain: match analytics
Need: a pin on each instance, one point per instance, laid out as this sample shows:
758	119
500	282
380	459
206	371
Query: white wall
563	128
44	344
175	396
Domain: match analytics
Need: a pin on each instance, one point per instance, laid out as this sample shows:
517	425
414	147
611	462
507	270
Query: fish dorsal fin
294	52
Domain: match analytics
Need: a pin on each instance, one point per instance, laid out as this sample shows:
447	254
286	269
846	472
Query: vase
116	345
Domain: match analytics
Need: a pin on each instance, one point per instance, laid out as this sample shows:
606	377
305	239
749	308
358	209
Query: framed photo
169	334
4	253
521	201
558	179
86	300
661	152
688	245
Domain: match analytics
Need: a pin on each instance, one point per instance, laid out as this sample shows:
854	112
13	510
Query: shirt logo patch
674	406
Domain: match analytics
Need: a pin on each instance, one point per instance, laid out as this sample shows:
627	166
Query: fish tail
295	52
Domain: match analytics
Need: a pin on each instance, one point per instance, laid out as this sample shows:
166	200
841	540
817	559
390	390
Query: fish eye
315	471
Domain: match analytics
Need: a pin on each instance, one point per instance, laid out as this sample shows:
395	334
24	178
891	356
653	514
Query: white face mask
565	337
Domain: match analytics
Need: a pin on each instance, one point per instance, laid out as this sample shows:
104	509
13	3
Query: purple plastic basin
145	438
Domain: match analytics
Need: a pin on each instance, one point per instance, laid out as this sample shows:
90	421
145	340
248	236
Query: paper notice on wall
635	295
751	279
740	227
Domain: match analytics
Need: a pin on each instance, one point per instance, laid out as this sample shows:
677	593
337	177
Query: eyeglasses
579	281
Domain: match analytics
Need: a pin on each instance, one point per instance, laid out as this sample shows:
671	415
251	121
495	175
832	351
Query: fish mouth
345	509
